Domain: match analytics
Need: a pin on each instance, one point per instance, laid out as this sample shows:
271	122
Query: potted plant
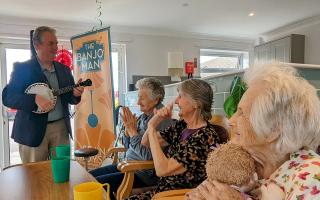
237	89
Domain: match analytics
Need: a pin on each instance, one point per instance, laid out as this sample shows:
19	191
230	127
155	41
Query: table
34	181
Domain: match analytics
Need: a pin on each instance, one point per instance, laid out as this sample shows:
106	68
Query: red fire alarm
189	68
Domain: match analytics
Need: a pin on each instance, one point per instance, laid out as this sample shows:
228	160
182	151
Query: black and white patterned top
191	153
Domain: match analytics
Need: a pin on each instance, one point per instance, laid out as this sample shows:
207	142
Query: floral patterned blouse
297	179
191	153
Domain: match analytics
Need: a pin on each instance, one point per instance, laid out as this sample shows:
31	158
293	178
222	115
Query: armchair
113	154
171	195
221	125
125	189
129	168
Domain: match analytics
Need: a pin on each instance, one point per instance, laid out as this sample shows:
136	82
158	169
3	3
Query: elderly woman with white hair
278	123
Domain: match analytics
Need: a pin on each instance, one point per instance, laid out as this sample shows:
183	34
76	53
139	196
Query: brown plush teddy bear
232	165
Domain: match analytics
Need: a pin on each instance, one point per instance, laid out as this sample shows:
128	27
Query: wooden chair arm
129	168
134	165
114	152
171	194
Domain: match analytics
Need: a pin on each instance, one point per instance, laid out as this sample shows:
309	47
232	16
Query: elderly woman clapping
150	96
278	123
182	165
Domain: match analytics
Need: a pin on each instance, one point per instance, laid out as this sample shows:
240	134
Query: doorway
9	55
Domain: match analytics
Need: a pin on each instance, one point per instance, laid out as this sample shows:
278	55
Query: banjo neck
64	90
70	88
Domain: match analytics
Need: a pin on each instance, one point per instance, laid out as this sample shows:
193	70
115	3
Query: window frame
240	55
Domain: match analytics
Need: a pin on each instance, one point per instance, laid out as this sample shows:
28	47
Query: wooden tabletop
34	181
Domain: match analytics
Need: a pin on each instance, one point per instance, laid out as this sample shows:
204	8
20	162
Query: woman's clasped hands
130	122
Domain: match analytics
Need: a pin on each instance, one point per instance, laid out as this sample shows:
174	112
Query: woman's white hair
154	85
288	105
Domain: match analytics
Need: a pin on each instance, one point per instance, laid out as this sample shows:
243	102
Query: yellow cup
90	191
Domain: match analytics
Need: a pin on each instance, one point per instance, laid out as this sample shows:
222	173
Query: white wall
146	48
310	28
147	54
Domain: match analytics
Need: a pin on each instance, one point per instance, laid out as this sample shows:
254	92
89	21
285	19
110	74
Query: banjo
51	94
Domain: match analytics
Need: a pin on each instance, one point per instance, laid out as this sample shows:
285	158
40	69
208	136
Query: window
13	55
214	61
119	72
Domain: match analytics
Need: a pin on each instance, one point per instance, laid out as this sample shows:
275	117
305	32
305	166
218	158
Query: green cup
61	150
60	169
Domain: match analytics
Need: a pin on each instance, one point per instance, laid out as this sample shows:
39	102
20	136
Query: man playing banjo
37	132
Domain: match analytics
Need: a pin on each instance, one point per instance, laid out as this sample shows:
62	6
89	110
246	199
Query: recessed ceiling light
251	14
185	5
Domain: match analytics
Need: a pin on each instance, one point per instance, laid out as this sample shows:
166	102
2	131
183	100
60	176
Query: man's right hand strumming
43	103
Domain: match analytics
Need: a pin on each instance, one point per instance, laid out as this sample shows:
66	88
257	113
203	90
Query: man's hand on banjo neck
77	92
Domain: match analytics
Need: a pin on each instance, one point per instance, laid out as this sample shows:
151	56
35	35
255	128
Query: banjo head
43	90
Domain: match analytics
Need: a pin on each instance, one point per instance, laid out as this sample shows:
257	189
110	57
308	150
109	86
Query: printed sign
94	122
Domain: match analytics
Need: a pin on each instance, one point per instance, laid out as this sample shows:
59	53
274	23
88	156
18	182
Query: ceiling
227	18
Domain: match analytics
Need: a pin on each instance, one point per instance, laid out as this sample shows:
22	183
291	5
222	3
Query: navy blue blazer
29	128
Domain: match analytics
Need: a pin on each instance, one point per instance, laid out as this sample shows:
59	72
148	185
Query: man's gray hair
154	85
201	92
38	33
288	105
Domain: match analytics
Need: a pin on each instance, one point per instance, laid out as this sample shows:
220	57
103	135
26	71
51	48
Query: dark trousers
110	174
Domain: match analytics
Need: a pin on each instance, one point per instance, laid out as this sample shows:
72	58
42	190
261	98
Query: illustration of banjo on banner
51	94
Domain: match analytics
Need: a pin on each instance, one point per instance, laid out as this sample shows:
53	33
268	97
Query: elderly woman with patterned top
189	141
277	122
